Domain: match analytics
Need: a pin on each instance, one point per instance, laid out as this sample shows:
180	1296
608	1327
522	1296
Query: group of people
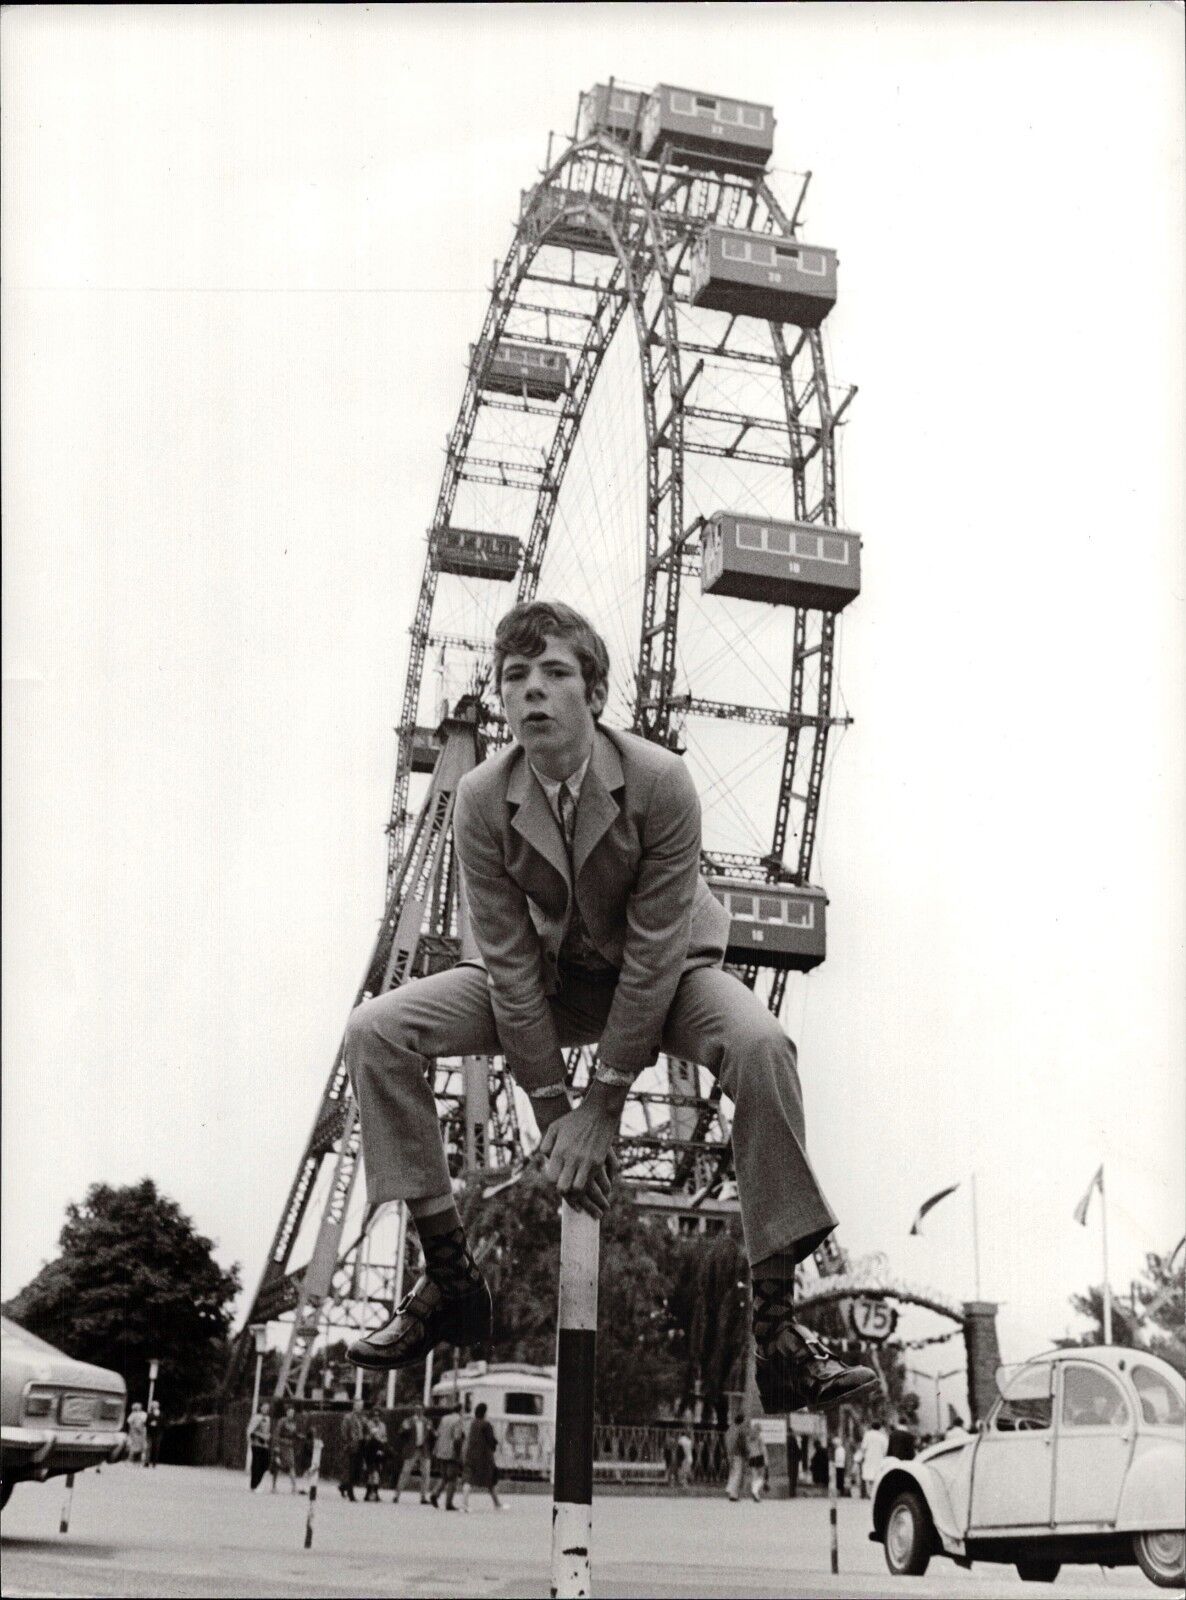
747	1455
464	1454
275	1443
145	1428
452	1455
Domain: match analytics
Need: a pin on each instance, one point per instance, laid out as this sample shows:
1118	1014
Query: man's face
545	703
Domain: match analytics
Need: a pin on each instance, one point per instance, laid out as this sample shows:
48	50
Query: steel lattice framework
603	238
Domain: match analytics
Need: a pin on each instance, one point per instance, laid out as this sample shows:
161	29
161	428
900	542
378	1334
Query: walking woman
259	1437
478	1470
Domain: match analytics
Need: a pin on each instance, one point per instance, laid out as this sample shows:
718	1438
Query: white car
56	1414
1081	1459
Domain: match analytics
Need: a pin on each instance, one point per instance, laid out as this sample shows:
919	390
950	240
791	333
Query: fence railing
647	1450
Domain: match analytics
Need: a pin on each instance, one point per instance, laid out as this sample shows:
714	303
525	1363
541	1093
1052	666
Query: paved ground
199	1532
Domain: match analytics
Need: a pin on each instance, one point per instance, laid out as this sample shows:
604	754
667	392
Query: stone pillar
984	1355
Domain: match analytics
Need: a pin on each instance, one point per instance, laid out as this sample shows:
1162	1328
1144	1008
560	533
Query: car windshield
1161	1404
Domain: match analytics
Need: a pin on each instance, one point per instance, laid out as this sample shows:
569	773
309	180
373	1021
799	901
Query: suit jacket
636	852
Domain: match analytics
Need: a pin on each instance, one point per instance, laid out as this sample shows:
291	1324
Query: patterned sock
447	1259
773	1300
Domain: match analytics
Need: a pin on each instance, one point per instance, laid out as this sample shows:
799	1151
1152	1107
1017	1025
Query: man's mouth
537	716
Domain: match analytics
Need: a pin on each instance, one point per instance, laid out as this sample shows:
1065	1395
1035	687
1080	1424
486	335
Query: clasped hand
578	1156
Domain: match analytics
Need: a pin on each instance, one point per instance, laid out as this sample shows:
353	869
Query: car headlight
40	1404
111	1411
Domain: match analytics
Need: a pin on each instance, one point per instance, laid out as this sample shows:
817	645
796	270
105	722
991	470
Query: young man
580	850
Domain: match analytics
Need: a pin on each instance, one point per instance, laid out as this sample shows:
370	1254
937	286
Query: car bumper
46	1452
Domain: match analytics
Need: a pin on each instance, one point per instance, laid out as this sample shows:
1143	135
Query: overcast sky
244	252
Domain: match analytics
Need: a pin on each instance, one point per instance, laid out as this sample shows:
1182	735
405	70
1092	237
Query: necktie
568	818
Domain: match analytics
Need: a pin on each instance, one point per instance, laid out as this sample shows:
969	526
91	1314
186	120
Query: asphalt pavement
198	1531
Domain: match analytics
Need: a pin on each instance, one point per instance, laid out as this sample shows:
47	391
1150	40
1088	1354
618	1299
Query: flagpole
975	1236
1107	1286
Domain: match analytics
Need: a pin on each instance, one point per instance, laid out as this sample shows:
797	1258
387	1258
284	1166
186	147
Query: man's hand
578	1154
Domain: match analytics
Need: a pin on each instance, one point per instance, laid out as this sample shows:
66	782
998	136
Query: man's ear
597	698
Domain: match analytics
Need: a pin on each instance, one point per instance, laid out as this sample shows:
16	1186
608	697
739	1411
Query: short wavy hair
526	628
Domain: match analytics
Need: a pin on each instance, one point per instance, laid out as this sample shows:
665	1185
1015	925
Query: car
1081	1459
57	1415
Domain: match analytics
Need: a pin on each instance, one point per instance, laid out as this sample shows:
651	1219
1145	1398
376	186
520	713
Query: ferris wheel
647	431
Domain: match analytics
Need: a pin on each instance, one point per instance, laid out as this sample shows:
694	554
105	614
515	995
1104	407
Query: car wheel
1162	1557
1038	1569
908	1535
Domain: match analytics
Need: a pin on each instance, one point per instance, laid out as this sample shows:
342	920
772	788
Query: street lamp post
154	1367
259	1333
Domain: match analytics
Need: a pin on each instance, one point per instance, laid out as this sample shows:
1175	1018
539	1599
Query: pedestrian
259	1438
154	1427
901	1443
446	1464
374	1454
737	1445
683	1460
478	1467
137	1433
756	1454
400	1448
870	1456
819	1465
579	847
285	1435
839	1463
353	1435
420	1452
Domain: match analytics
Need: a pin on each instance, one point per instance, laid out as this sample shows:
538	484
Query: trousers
392	1040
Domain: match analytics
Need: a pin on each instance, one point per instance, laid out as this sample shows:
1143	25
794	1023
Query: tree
134	1282
1151	1317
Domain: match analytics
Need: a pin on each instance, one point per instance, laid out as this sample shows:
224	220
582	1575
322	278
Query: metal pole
576	1350
401	1251
426	1465
833	1529
64	1523
314	1478
1107	1286
975	1236
259	1369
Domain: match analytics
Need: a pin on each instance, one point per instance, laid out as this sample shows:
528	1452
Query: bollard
314	1475
576	1348
832	1513
64	1523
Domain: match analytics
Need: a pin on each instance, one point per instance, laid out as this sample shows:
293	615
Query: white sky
244	252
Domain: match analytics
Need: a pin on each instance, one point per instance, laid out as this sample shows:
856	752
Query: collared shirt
553	786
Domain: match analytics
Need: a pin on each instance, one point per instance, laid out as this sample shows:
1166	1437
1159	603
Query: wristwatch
611	1076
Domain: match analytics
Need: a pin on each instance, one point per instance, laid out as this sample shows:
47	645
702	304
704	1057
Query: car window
1026	1403
1092	1399
1160	1403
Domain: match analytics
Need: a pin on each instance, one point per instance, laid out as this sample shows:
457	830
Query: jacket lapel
598	810
531	817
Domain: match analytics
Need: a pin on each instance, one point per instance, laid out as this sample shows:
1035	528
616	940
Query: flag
928	1205
1081	1209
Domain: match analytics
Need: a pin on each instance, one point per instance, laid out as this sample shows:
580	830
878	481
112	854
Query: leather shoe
424	1318
802	1374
